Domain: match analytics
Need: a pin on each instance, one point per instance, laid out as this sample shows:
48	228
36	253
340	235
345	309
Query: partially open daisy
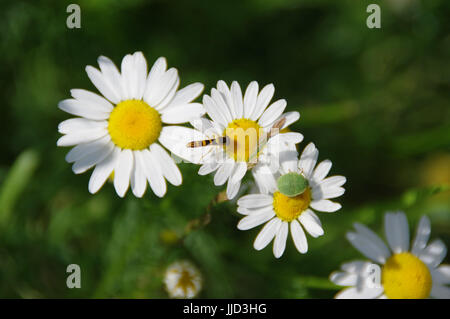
119	131
243	121
183	280
406	273
293	193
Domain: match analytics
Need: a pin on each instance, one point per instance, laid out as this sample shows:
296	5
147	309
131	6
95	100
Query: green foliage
375	102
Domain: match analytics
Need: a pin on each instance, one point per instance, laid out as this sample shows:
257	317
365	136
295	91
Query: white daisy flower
244	120
295	212
403	272
119	131
182	280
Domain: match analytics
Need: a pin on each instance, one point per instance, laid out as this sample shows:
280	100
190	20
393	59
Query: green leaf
15	182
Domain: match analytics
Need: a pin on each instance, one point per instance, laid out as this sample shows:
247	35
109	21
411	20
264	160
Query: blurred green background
374	101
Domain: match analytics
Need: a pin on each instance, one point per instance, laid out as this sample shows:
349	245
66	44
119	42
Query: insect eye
292	184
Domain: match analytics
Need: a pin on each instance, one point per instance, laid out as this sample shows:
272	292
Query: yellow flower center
404	276
135	125
243	135
289	208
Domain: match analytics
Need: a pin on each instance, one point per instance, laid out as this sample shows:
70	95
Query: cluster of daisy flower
129	132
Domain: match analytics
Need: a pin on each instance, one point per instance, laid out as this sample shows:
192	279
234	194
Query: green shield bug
292	184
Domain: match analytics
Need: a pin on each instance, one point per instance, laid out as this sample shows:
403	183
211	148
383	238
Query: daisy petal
264	179
103	84
153	172
272	113
169	80
224	172
366	247
434	253
262	101
321	171
397	231
341	278
187	94
308	160
224	109
154	79
208	168
75	125
299	237
311	223
92	100
266	234
422	235
102	171
168	167
93	158
214	111
238	174
318	192
112	75
122	172
255	200
359	267
175	139
129	77
238	105
77	108
79	151
202	124
288	160
140	64
248	211
325	205
354	293
279	243
182	113
291	138
225	91
291	117
374	239
138	179
440	292
233	188
81	137
250	97
256	219
441	275
333	182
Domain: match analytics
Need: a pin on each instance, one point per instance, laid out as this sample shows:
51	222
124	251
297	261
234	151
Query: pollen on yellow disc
135	125
405	276
244	136
289	208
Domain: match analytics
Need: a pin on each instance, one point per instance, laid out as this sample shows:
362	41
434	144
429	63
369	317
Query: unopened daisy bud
182	280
